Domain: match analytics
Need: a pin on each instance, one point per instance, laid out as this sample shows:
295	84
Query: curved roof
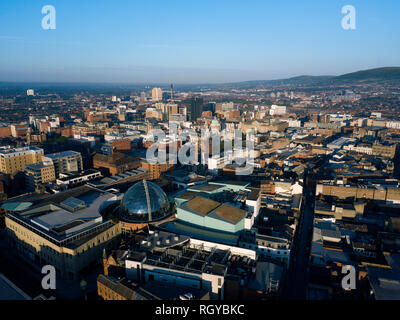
144	201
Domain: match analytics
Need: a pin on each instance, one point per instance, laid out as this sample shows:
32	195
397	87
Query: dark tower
195	108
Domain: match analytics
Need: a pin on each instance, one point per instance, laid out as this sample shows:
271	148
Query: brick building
115	163
122	145
155	170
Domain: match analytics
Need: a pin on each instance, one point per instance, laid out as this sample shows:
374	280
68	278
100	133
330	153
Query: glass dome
141	197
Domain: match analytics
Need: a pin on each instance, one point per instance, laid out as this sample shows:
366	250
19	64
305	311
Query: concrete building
69	179
65	162
227	272
14	160
277	110
217	162
386	190
340	143
384	150
209	214
39	174
156	94
274	247
65	230
359	148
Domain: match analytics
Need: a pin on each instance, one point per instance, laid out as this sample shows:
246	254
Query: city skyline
161	42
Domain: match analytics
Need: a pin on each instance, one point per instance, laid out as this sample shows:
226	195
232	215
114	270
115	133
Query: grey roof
63	217
61	154
331	233
38	165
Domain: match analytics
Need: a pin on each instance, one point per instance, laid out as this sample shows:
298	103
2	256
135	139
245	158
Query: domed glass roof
144	201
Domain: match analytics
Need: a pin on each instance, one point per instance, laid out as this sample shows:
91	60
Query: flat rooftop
39	165
191	258
206	187
202	205
61	154
230	213
214	209
87	211
8	150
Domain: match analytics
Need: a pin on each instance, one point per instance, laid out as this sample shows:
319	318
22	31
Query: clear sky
194	41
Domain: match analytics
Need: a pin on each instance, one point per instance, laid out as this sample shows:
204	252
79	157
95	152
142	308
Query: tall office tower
195	108
156	94
172	92
30	92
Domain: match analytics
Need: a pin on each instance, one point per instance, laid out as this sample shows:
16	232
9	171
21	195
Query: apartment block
65	162
14	160
39	173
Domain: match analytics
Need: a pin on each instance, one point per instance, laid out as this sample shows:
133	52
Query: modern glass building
143	203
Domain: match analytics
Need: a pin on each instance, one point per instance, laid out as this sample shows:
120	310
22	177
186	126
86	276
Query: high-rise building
30	92
156	94
195	108
172	108
14	160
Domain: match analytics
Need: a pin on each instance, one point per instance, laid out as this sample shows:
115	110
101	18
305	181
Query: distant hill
299	80
378	74
387	74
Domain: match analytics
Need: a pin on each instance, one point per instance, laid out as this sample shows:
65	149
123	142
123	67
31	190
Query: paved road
296	282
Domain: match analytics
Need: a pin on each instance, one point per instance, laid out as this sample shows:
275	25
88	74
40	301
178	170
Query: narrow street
296	283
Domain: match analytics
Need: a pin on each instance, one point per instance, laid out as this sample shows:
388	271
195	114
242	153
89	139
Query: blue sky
193	41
